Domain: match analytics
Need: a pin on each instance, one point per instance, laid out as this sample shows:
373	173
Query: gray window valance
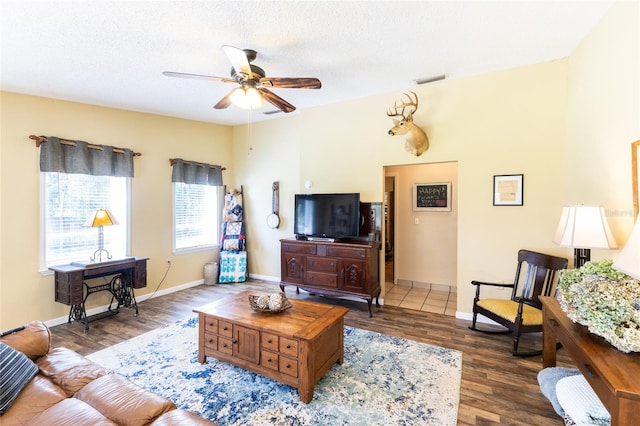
83	158
196	173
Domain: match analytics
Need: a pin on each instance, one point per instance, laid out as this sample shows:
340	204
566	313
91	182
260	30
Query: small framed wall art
507	190
432	196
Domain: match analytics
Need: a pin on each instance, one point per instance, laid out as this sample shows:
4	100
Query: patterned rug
384	380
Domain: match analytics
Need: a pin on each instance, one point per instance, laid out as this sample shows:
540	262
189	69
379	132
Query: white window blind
196	216
68	200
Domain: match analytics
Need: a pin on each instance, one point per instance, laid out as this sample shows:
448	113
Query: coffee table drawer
269	341
288	366
269	360
288	347
211	341
211	325
225	328
225	345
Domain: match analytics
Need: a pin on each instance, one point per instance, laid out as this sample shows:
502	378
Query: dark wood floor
496	387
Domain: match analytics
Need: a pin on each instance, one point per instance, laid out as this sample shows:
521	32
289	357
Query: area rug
384	380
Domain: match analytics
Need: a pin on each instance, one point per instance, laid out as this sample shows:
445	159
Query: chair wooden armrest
492	284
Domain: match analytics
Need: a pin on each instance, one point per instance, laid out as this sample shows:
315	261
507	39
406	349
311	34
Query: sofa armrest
34	340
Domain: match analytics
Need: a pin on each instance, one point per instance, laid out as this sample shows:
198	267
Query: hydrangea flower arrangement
605	300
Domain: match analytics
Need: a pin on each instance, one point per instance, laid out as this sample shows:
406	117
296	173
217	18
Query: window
196	216
68	200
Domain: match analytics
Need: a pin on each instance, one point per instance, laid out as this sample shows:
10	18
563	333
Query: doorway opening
420	244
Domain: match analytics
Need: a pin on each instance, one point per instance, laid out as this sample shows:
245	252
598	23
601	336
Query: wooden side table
613	375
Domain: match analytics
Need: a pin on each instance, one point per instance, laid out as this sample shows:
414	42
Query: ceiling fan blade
276	100
224	102
291	83
197	76
238	59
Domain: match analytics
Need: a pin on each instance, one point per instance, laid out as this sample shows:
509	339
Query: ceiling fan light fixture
247	98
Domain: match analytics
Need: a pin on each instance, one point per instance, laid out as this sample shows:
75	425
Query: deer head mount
416	140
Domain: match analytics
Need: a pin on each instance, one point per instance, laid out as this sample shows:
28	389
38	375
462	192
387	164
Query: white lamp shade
584	227
628	260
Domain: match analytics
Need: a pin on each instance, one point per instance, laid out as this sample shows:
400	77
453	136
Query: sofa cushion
40	394
124	402
69	370
16	371
34	340
71	411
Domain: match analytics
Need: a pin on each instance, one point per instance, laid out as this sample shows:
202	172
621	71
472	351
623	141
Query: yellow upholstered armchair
522	313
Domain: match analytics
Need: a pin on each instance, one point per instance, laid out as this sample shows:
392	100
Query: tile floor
421	299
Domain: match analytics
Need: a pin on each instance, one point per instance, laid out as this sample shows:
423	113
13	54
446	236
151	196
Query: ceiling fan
254	84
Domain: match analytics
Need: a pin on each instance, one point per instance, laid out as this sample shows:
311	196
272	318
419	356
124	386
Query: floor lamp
100	218
584	228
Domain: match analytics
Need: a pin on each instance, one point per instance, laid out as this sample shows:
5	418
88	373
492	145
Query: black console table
71	288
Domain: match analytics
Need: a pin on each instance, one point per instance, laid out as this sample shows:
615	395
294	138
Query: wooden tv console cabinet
332	268
612	374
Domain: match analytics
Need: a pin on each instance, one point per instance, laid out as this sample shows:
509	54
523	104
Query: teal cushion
16	370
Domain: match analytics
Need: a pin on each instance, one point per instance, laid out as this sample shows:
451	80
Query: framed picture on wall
432	196
507	190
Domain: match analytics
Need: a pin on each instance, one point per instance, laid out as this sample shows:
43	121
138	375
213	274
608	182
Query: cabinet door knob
234	341
269	341
288	346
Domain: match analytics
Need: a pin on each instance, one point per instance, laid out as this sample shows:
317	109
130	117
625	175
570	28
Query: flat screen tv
327	216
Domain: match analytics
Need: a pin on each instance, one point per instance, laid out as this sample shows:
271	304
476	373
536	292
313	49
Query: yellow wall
26	294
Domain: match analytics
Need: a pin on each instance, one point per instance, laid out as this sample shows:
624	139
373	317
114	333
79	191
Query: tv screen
328	216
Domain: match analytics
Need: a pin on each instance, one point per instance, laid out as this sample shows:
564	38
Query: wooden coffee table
296	347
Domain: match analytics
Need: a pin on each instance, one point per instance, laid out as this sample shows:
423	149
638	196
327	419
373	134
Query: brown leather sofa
71	389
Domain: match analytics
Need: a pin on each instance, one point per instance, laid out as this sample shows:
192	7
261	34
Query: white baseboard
469	317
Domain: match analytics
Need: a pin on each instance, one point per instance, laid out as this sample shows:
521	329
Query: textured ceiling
112	53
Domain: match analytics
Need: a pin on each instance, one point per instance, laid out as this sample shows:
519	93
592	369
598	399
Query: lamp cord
161	281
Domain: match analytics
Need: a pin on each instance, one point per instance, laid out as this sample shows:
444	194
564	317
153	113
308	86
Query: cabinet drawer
225	345
322	264
299	248
225	328
350	252
210	325
211	341
288	366
269	360
321	279
289	347
269	341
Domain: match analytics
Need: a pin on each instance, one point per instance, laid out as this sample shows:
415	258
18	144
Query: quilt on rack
233	237
232	207
233	267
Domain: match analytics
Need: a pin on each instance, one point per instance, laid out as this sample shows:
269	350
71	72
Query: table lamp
100	218
584	228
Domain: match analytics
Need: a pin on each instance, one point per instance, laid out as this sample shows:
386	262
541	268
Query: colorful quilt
233	267
233	237
232	207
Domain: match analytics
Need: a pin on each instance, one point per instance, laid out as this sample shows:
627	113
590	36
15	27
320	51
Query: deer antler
411	103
